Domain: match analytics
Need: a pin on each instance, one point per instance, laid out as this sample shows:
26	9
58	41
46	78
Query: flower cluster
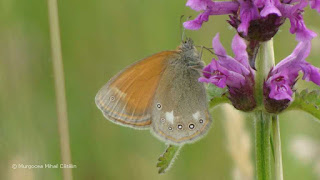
278	88
234	73
256	19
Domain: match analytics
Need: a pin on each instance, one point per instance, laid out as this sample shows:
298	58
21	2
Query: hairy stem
264	62
61	102
262	145
277	148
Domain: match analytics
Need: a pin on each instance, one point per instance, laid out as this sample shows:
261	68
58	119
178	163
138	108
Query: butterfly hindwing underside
180	112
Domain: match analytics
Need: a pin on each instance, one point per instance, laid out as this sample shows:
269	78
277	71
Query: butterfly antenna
183	36
181	28
201	52
210	50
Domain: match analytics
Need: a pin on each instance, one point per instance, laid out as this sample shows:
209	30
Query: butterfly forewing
126	99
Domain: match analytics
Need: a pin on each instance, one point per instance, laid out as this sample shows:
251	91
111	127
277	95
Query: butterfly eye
191	126
159	106
179	126
201	121
170	128
112	98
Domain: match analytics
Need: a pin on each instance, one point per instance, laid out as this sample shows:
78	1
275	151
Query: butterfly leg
198	66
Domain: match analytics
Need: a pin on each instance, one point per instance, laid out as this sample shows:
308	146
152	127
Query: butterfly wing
126	98
180	112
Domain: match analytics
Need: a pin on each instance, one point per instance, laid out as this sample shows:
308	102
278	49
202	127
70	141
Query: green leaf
217	95
214	91
307	101
166	160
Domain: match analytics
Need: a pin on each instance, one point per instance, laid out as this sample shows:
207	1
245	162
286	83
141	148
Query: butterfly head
187	45
189	51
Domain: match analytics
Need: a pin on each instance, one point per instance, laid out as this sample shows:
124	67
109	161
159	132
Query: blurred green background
99	38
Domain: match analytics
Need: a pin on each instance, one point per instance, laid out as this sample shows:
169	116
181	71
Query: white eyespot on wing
170	117
196	115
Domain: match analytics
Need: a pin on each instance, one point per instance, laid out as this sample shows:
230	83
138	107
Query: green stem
264	62
263	146
61	102
277	148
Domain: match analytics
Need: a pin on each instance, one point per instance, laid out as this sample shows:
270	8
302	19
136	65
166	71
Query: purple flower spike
283	77
234	73
256	20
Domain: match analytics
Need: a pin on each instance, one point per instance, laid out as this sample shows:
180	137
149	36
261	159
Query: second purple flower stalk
279	86
237	75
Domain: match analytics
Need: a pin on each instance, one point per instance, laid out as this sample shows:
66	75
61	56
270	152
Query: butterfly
161	93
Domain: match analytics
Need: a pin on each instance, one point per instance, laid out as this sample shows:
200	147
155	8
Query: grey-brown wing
180	111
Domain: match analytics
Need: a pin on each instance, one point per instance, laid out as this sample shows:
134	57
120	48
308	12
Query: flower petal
294	13
259	3
248	12
224	7
299	54
311	73
208	70
281	92
227	61
304	34
270	8
198	5
239	48
210	8
217	46
221	76
233	79
315	4
198	21
280	86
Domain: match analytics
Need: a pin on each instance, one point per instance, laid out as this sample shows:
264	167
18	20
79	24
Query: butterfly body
162	93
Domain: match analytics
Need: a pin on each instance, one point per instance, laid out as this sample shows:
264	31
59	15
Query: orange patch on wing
139	82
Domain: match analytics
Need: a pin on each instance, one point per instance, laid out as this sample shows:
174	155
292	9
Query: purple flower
315	4
234	73
209	8
284	75
228	71
256	19
294	14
